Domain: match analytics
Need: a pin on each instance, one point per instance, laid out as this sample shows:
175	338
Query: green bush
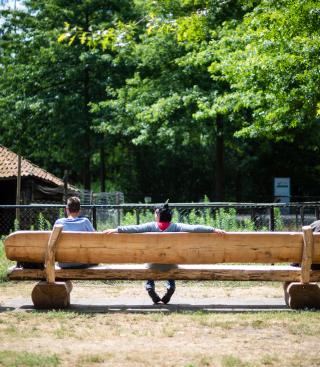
43	223
4	263
278	222
131	217
222	218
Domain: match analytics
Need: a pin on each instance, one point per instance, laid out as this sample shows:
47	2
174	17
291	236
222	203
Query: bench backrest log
168	248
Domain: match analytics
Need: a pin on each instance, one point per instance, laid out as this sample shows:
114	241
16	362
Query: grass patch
302	329
61	315
232	361
270	360
10	358
91	359
242	339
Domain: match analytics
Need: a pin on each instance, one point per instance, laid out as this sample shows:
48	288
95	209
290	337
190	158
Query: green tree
270	61
179	97
47	87
163	104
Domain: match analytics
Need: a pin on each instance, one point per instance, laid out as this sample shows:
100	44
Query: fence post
94	217
296	214
317	213
118	209
253	217
271	221
138	216
302	215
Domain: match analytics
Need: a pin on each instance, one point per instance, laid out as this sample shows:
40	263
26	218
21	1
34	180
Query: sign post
282	191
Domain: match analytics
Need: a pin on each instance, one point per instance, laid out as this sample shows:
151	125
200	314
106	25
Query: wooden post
271	220
305	294
302	215
118	209
18	193
65	186
297	222
94	217
306	254
52	294
50	253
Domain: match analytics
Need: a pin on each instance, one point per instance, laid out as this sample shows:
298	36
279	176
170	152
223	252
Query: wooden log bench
201	256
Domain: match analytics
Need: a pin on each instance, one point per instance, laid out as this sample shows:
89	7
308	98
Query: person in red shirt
163	223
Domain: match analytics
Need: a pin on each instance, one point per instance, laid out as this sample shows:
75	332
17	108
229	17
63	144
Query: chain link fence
228	216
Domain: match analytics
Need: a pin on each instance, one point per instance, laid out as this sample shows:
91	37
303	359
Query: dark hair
73	204
164	212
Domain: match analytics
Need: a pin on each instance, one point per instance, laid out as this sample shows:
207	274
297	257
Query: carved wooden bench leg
51	295
301	296
305	294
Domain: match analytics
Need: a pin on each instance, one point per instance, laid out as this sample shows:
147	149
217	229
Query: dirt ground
115	324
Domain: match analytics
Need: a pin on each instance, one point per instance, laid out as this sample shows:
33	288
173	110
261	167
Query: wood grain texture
307	254
51	251
168	248
183	272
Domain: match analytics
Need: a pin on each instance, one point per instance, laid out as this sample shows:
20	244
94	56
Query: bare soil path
131	296
115	324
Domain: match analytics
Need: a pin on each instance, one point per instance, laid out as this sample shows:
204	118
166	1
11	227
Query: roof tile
9	168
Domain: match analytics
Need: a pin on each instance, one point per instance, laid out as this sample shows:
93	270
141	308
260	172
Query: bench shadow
170	308
6	309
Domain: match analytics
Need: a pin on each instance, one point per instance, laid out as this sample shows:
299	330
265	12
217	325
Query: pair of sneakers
165	299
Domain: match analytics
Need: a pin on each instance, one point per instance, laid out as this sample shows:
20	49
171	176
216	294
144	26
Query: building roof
9	168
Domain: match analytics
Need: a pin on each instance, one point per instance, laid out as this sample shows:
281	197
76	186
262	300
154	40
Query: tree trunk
102	167
238	184
87	122
219	171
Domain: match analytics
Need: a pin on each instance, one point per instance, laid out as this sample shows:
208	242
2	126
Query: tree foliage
47	87
269	60
176	98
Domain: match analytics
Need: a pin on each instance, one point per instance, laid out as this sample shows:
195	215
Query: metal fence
229	216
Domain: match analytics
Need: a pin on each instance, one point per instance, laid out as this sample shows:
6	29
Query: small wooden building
37	186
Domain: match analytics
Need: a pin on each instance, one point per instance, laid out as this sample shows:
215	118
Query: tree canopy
176	99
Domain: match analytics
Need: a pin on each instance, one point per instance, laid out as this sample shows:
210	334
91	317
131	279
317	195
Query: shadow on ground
173	308
6	309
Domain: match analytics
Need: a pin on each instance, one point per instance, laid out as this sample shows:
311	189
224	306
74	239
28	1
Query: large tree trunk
102	167
219	171
87	121
238	183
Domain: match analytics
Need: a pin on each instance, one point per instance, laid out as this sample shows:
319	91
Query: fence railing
229	216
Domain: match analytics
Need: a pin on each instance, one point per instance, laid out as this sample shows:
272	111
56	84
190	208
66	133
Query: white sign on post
282	189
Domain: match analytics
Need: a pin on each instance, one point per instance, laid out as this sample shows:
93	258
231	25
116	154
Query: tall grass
226	219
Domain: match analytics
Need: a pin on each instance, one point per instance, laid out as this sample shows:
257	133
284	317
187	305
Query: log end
51	295
303	296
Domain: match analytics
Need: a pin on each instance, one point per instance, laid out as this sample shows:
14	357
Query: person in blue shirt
75	222
162	223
